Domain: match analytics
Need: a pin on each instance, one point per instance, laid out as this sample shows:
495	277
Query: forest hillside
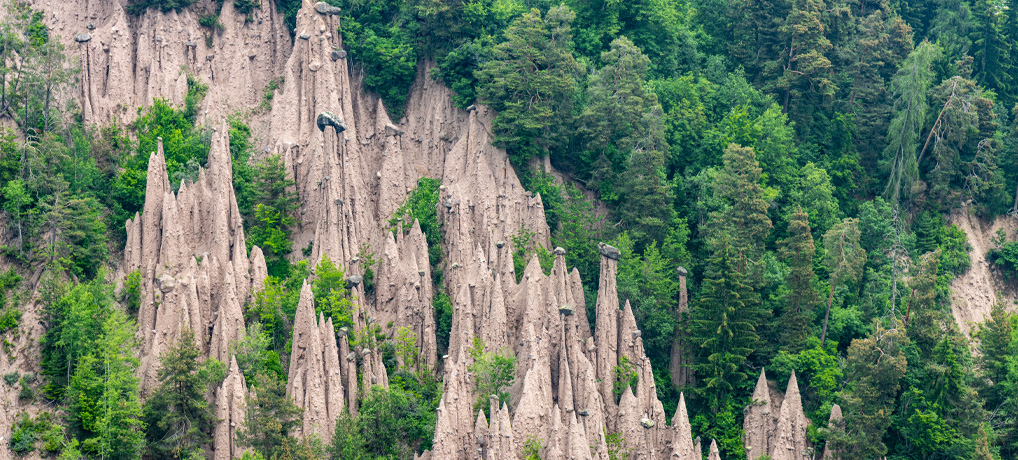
509	229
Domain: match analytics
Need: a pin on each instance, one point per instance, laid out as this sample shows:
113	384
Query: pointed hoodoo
789	439
607	323
682	443
758	420
714	453
231	412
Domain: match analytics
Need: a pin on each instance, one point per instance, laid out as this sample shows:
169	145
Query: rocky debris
780	434
83	37
165	243
835	423
231	412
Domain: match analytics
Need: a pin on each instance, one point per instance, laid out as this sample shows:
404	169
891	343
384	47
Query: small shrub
494	372
210	21
532	448
625	377
11	378
368	261
131	295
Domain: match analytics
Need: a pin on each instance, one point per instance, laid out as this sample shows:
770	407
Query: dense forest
799	159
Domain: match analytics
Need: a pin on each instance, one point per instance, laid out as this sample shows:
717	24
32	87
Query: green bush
131	295
139	6
11	377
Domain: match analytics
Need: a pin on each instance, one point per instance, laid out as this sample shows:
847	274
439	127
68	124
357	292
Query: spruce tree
741	216
723	327
271	418
798	251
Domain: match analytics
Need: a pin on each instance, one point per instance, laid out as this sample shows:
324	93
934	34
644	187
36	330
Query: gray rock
191	44
647	423
338	54
584	412
327	9
682	271
166	282
637	334
500	244
567	310
392	130
343	331
90	26
608	251
354	280
560	251
304	36
328	119
83	37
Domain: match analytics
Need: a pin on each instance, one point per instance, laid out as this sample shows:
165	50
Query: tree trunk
830	299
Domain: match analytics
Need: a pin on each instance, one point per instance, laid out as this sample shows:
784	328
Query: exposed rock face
789	441
323	374
714	454
127	62
190	251
231	412
558	401
781	434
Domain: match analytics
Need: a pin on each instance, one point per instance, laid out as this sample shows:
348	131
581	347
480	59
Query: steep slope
127	61
974	292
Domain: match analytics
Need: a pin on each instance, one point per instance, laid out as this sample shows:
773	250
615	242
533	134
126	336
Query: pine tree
622	120
103	399
802	70
993	61
530	82
798	252
998	365
178	414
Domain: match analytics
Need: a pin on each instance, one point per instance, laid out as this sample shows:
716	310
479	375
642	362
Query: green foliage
366	258
380	36
138	7
494	372
42	432
10	311
178	417
626	377
131	294
1005	256
422	206
442	305
649	283
532	448
525	249
530	80
617	448
274	203
271	417
332	297
393	422
255	355
246	7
